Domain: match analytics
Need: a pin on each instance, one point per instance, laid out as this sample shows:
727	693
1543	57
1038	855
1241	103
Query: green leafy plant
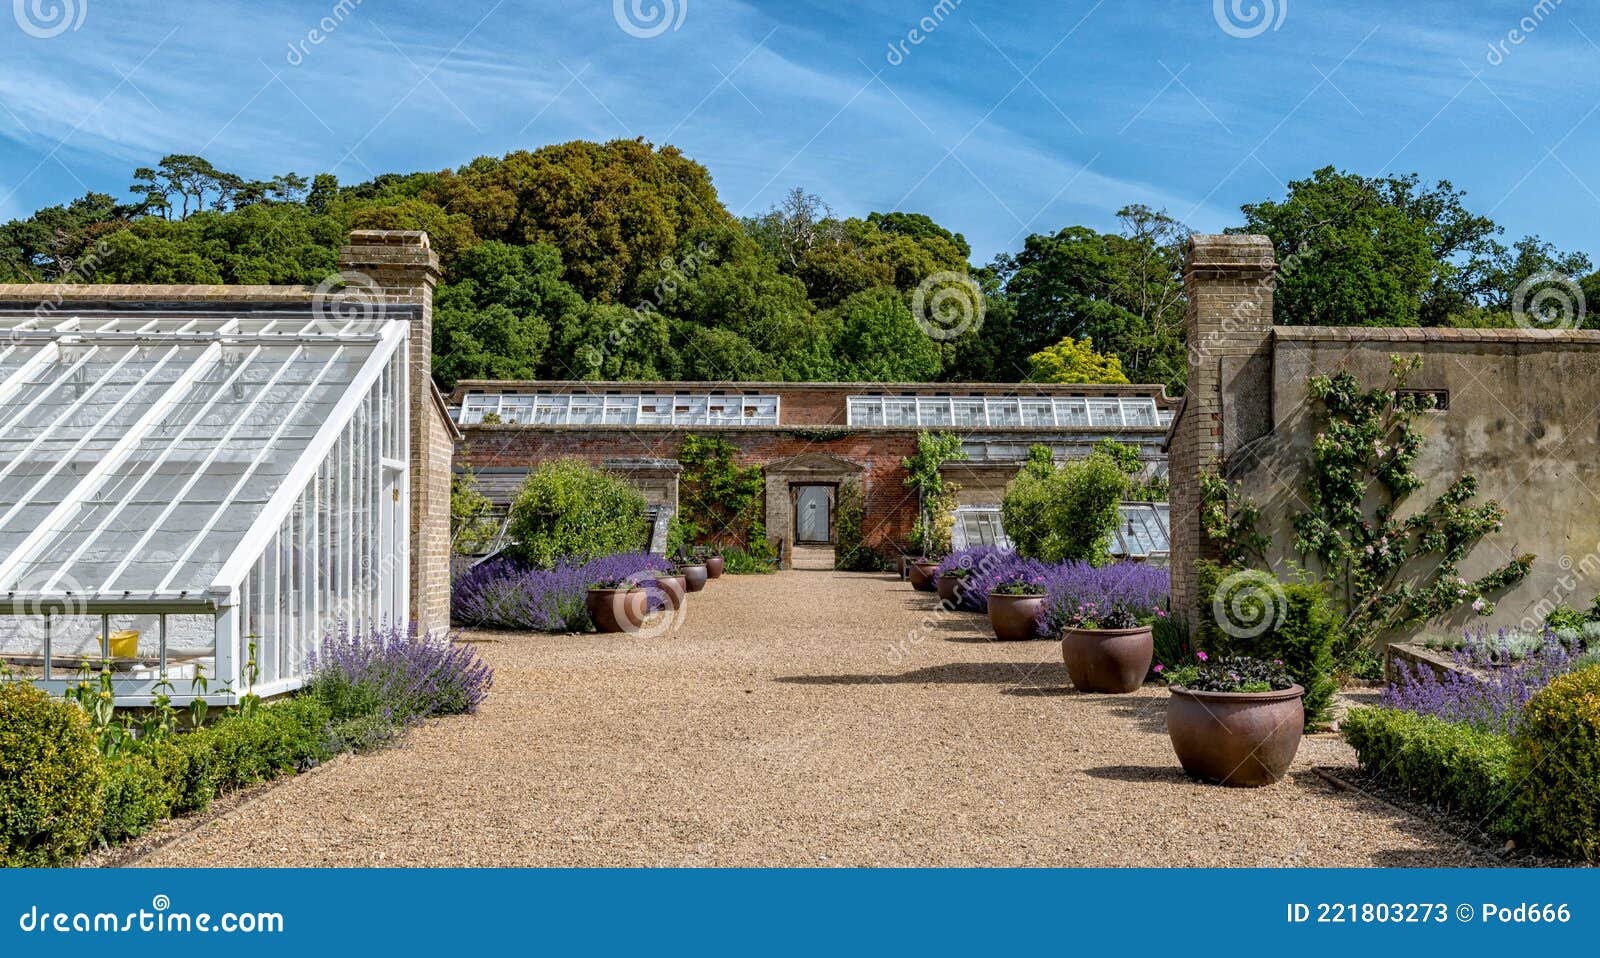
1067	513
850	553
1231	673
1445	764
737	561
51	778
930	534
719	502
473	527
569	511
1557	763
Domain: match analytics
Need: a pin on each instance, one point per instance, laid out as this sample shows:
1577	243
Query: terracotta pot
714	566
1015	617
694	575
617	610
921	574
950	587
674	589
1236	738
1107	660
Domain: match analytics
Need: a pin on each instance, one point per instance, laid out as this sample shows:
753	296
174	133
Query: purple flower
412	675
1484	690
1199	654
506	594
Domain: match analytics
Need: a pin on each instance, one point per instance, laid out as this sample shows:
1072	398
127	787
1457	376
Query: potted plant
694	572
921	572
1236	721
1108	647
1016	605
952	583
617	605
715	563
673	587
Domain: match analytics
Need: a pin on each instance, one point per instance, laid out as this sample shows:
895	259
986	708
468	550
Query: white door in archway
811	515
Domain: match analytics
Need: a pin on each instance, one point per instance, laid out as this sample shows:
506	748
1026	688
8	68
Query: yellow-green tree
1074	361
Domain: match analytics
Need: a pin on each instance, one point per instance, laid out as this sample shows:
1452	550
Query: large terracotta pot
617	610
714	566
673	589
694	575
1107	660
950	587
1015	617
921	571
1236	738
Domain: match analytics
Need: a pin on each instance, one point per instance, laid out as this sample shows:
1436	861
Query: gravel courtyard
807	718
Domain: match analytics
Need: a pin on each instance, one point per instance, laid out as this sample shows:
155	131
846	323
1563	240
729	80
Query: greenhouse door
392	527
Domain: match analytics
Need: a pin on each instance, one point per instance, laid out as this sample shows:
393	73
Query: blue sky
1006	118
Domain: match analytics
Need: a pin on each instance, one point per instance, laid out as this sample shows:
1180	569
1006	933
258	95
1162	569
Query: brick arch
785	476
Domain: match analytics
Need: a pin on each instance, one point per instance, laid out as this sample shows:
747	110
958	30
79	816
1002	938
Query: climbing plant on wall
1384	571
935	498
719	501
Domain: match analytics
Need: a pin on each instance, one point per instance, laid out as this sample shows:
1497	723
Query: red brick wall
890	508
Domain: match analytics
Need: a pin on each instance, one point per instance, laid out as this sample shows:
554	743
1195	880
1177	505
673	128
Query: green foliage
494	319
568	510
1229	520
737	561
143	786
1566	617
878	340
1074	361
1391	571
241	749
719	501
1067	513
850	553
1173	647
1295	621
1440	763
930	534
473	526
1557	766
51	779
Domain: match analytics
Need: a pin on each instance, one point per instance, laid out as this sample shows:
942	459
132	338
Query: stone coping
1400	334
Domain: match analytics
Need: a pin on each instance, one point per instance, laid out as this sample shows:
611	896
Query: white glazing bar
181	497
113	457
250	471
59	381
47	354
131	495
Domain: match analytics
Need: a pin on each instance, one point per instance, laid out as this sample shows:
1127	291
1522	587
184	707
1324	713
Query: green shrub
1442	763
737	561
246	748
1173	646
51	778
1557	766
849	552
1067	513
719	501
567	510
1304	631
143	786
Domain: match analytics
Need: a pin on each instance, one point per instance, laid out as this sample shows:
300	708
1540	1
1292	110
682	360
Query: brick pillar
1227	402
401	268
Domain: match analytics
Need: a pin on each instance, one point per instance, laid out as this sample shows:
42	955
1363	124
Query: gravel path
806	718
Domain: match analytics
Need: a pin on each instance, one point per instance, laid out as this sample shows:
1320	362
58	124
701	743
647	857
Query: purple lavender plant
506	594
403	674
1482	691
1082	594
987	566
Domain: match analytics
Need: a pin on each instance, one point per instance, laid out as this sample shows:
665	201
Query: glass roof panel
137	451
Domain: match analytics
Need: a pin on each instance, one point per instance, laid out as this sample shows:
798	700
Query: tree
1074	361
878	340
55	243
613	209
495	321
1067	513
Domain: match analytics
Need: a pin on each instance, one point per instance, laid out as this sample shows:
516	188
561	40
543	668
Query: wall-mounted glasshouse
197	496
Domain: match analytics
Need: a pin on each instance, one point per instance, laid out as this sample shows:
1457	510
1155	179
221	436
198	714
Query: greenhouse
190	499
